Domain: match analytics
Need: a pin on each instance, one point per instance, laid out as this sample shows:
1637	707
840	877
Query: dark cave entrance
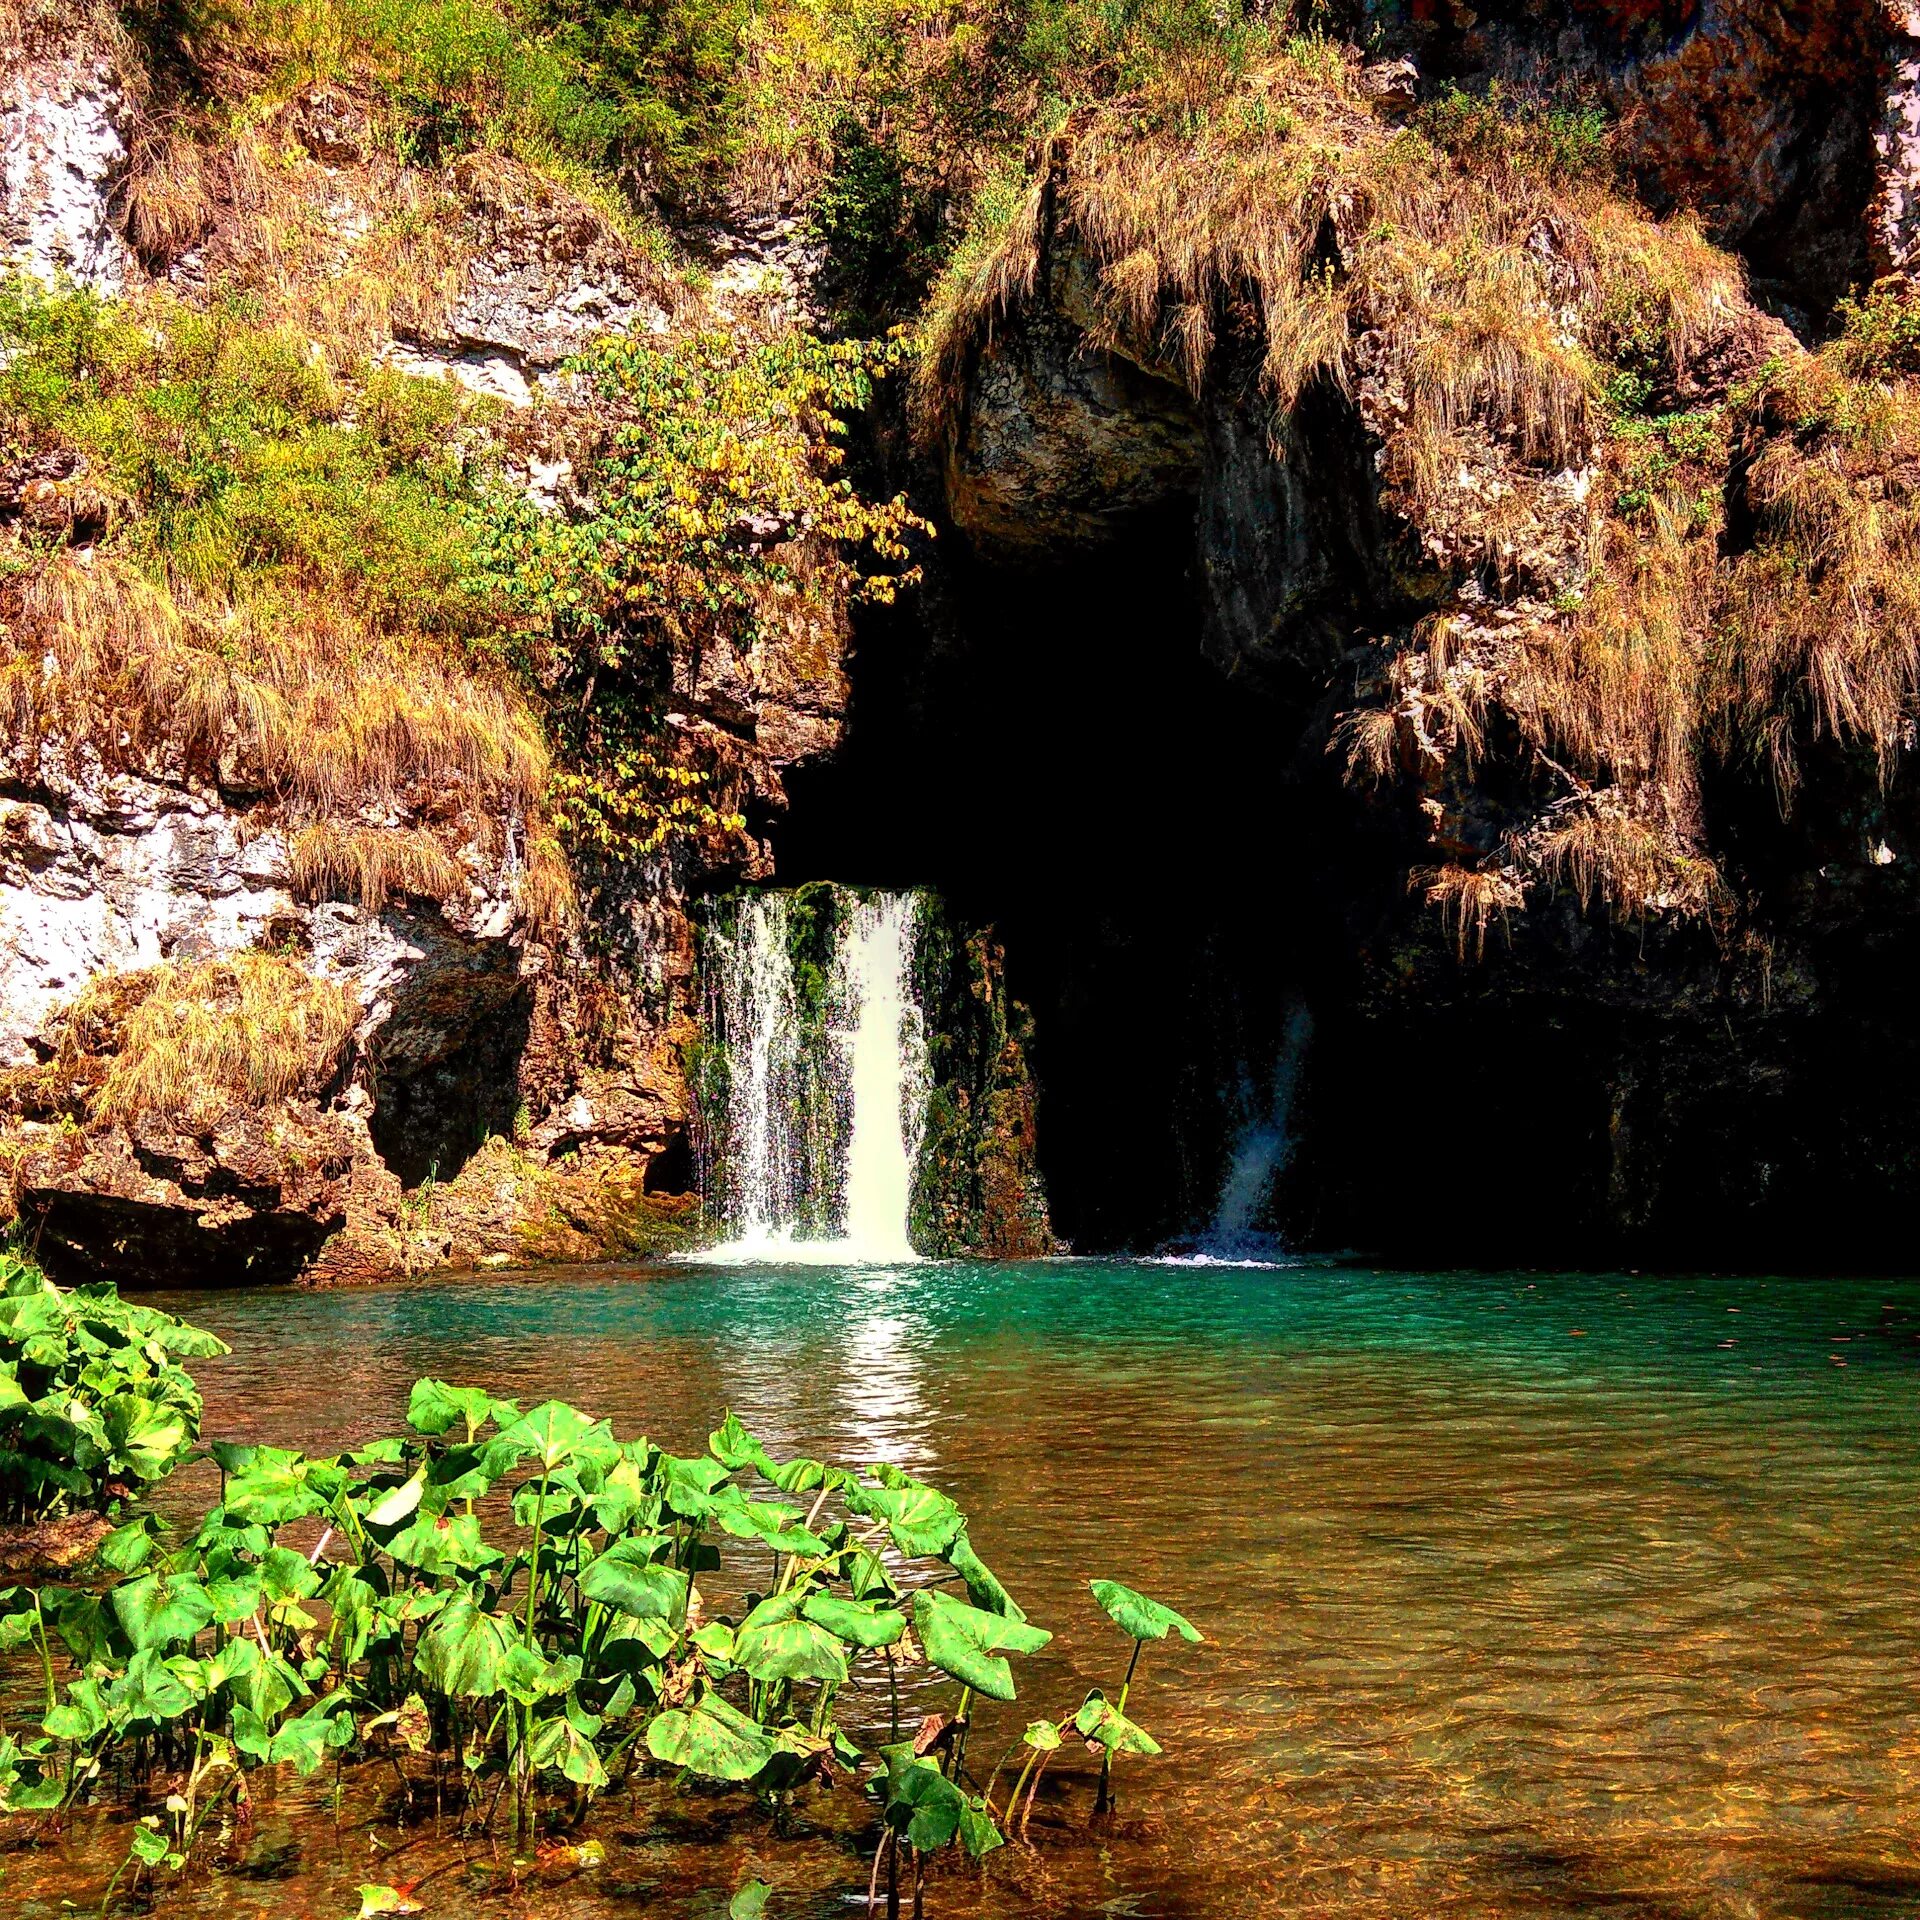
1050	747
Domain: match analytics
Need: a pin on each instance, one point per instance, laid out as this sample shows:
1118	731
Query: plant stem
40	1640
1104	1800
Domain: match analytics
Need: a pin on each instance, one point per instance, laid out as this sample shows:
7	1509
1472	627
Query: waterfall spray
1261	1151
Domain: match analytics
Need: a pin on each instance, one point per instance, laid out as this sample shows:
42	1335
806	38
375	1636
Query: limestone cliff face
512	1089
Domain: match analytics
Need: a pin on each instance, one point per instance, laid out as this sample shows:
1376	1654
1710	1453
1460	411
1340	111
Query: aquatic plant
1104	1722
93	1401
504	1605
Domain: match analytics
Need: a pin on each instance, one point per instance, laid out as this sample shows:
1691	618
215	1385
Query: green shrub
718	507
93	1403
1554	139
237	451
1880	333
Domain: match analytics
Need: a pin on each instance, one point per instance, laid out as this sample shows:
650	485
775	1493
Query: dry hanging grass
1820	632
1479	299
1468	899
371	865
1631	866
253	1029
326	714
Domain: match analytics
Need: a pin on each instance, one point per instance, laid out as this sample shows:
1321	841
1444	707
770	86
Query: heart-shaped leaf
1133	1613
710	1738
783	1647
1102	1724
855	1621
626	1576
966	1642
160	1609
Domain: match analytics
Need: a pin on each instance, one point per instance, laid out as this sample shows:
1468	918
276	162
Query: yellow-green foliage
719	516
286	588
185	1042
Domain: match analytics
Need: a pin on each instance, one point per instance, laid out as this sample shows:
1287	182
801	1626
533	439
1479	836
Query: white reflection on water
888	1411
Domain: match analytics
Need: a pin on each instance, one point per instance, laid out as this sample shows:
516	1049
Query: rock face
63	155
1895	237
977	1192
115	873
543	275
510	1094
1784	124
1684	1080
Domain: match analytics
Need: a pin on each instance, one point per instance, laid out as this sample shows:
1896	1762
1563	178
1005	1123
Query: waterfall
884	1044
1261	1150
757	1013
825	1082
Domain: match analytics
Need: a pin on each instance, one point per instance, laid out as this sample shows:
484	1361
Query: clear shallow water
1525	1595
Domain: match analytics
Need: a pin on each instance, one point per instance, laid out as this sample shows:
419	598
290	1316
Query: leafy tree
718	509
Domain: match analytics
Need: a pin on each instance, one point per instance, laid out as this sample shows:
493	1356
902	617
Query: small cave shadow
432	1115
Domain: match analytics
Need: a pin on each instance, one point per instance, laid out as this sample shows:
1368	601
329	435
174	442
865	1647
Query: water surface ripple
1526	1595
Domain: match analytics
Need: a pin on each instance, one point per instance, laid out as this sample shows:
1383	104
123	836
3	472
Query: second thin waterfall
816	1129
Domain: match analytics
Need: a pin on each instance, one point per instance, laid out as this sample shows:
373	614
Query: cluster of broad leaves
513	1596
94	1404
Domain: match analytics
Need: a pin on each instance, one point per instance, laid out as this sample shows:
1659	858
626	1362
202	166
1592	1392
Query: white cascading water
873	1112
757	1009
883	1042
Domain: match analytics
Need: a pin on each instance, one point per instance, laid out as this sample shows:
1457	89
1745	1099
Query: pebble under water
1525	1595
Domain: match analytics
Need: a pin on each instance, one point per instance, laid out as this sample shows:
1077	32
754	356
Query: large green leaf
552	1435
464	1651
627	1577
270	1494
560	1745
81	1714
82	1620
433	1407
1104	1725
855	1621
921	1519
774	1644
147	1436
923	1806
769	1520
159	1609
749	1901
734	1447
1133	1613
307	1740
966	1642
11	1393
147	1691
710	1738
982	1582
527	1675
443	1545
236	1596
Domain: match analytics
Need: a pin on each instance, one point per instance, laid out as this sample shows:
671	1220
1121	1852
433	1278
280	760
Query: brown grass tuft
195	1039
1630	865
1468	899
371	865
1820	630
326	714
1477	300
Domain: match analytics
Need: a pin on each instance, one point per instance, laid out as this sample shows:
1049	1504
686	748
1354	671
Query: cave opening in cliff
1051	749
